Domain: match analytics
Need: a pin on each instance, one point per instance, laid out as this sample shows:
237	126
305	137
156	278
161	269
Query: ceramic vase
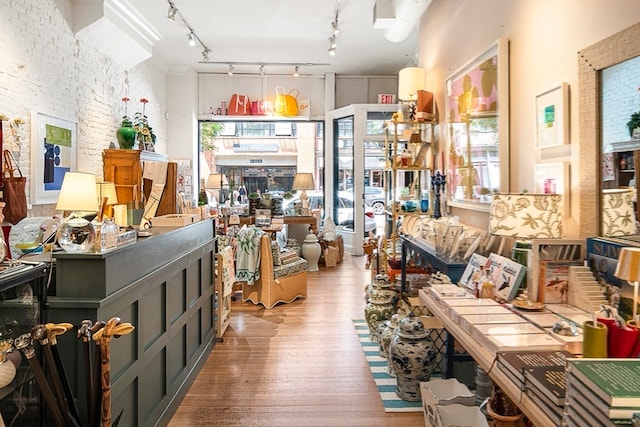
387	330
379	309
381	281
126	135
412	355
311	250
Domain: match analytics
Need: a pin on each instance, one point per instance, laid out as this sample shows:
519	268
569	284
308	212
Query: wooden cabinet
125	168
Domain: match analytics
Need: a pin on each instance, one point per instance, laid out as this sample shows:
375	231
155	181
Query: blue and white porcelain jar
379	309
412	355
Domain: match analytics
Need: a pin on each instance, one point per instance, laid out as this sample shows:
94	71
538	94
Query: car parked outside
344	205
375	197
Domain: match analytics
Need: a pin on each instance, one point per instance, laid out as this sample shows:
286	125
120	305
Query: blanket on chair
248	255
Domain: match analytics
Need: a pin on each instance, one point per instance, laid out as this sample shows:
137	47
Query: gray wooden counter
163	285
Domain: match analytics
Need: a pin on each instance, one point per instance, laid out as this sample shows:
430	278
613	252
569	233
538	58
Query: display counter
164	286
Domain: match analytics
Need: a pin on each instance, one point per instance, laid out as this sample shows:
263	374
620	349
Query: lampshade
78	193
303	181
629	269
107	190
216	181
526	216
618	218
410	81
234	220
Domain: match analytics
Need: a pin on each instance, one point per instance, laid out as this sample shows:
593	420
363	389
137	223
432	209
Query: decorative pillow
275	253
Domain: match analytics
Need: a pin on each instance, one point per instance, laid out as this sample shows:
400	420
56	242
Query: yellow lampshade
78	193
216	181
410	81
526	216
303	181
629	269
618	217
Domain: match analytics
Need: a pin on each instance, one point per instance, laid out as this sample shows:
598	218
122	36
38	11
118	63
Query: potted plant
633	124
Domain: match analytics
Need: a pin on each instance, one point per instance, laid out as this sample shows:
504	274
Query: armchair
277	282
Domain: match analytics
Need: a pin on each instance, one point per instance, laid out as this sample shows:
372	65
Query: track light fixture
332	42
262	70
230	72
191	41
171	14
296	71
334	26
332	51
192	37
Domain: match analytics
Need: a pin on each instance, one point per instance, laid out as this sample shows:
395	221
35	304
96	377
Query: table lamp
78	195
217	181
618	218
410	81
303	181
629	269
107	197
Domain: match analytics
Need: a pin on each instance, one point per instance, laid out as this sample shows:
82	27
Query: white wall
545	37
44	68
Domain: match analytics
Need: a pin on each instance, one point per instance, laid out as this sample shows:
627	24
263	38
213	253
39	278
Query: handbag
239	105
286	103
13	190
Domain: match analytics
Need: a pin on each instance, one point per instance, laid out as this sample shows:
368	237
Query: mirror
594	61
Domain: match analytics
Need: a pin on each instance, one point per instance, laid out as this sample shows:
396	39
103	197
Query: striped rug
385	382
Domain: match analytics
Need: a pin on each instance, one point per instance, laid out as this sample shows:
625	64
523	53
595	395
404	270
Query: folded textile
248	254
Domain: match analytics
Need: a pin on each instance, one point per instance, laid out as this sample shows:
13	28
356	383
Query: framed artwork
477	111
553	178
552	117
54	153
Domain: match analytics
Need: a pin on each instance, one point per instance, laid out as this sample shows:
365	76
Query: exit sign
386	98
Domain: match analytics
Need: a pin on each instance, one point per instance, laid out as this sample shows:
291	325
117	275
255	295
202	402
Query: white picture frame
53	153
552	117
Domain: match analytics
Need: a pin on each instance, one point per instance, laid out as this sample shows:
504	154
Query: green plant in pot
254	202
634	123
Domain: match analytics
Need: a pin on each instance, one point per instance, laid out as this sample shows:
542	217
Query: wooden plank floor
298	364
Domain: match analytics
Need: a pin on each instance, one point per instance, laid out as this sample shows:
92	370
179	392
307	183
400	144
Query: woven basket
506	420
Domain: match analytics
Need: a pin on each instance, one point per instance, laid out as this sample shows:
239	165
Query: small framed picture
552	117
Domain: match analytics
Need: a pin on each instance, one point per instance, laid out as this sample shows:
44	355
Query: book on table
553	411
615	381
507	275
580	398
517	361
550	381
531	342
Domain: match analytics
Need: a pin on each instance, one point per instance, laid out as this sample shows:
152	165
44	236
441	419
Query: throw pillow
275	253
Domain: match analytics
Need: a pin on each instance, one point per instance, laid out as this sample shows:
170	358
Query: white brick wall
45	68
620	98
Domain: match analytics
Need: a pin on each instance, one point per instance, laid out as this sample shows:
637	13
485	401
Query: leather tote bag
239	105
13	190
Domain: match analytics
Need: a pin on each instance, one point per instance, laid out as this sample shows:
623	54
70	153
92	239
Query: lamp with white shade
303	181
217	181
78	195
410	81
107	197
629	269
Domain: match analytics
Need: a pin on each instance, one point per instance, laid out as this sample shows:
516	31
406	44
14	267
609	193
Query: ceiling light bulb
332	42
230	72
172	12
295	72
192	40
332	51
334	27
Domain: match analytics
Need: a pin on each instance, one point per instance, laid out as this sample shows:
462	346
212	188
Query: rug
378	366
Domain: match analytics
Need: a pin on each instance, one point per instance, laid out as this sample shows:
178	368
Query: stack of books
603	392
540	374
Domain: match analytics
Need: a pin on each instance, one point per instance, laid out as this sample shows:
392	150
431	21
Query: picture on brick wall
52	155
552	117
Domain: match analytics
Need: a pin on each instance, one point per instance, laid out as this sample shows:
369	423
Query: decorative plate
528	305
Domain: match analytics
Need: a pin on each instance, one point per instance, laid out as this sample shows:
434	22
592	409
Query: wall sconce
78	195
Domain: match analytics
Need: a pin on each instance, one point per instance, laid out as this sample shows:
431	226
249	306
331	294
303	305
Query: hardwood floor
298	364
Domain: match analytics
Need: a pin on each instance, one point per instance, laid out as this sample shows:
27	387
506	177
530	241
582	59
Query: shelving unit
408	163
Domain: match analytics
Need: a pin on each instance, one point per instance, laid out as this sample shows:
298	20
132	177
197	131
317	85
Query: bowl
29	247
394	263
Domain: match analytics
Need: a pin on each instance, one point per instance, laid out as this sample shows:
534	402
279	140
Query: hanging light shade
410	81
